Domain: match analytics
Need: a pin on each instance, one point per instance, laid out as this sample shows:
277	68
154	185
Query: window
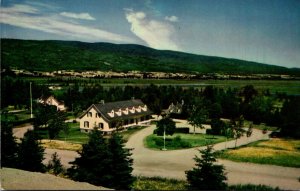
101	125
98	115
86	124
89	114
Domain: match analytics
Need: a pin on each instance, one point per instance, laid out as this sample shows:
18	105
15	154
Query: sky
265	31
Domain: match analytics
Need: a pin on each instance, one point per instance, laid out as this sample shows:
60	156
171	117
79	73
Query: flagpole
31	115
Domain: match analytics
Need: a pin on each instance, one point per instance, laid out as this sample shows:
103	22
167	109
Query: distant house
175	108
50	100
107	117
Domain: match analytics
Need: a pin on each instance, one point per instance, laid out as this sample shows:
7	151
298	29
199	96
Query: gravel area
15	179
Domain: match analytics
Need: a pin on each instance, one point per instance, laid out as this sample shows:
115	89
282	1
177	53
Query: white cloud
19	8
28	17
85	16
171	18
156	34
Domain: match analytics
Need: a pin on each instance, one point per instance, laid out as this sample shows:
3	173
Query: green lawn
16	118
190	140
281	152
75	136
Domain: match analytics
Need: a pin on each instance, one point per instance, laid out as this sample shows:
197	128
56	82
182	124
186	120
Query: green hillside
80	56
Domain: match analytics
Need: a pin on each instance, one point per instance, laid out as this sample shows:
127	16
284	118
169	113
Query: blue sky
266	31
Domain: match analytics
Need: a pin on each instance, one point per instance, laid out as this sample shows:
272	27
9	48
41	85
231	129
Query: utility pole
31	115
164	149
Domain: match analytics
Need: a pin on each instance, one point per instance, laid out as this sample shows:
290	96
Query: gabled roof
106	108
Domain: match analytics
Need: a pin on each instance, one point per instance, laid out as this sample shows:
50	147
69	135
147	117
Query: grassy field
158	183
281	152
190	140
283	86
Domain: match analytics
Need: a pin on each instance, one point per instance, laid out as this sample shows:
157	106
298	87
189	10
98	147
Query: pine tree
31	153
54	165
121	163
206	175
94	163
9	147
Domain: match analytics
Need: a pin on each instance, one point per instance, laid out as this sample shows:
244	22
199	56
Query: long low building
107	117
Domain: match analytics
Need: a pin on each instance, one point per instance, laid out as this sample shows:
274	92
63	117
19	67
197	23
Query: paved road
21	130
173	164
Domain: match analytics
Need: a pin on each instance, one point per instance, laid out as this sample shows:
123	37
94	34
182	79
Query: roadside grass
62	145
281	152
159	183
189	140
252	187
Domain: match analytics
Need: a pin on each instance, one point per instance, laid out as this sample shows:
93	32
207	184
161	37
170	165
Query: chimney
102	101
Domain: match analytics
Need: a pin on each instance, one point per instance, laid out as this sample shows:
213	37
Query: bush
185	130
176	142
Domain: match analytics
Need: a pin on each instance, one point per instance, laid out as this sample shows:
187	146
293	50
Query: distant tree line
278	110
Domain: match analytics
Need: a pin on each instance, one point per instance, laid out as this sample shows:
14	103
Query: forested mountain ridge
53	55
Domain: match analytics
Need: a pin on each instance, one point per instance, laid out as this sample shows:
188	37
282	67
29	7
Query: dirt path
173	164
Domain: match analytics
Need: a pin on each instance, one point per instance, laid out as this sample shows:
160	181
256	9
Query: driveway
19	131
173	164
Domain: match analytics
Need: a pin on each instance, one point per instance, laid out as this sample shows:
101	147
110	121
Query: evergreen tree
94	163
121	167
206	175
31	153
198	115
54	165
9	147
165	124
56	124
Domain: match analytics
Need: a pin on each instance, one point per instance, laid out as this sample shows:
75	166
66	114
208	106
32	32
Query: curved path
173	164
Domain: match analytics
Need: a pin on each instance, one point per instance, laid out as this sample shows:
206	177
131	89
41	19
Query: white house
50	100
107	117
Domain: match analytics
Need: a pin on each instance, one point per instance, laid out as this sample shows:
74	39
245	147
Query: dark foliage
206	175
165	124
31	153
94	163
121	166
103	162
290	113
9	147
